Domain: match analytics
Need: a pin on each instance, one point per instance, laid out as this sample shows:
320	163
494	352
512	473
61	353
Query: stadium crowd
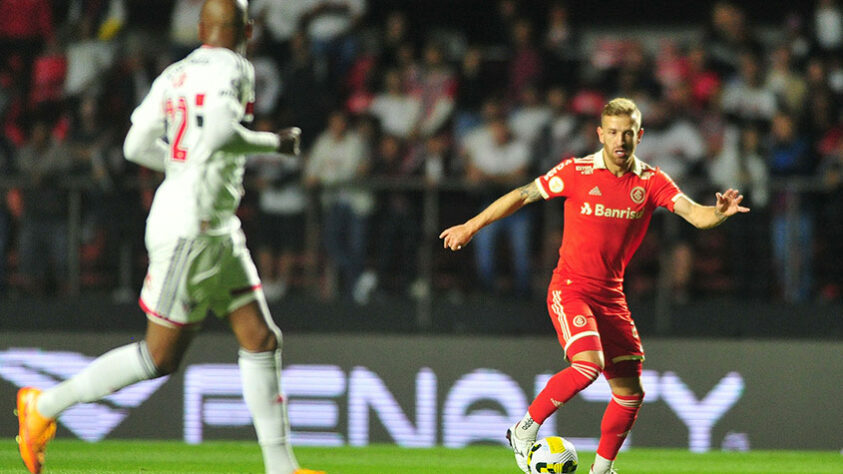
392	106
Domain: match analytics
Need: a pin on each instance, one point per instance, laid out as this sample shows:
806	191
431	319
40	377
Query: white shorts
188	277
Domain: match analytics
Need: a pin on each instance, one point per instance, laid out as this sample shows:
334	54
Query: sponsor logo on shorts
579	321
637	194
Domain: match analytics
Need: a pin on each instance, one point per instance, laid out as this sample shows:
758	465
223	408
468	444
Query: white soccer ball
553	454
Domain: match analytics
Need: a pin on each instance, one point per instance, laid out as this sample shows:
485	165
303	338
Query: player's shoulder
578	165
647	171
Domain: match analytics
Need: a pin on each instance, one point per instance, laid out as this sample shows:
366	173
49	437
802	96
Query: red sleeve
664	191
557	182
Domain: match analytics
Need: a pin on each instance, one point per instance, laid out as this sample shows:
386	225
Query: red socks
562	387
617	421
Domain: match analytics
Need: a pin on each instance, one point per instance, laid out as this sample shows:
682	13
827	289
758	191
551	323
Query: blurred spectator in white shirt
397	110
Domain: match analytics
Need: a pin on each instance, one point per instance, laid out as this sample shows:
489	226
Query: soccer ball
553	454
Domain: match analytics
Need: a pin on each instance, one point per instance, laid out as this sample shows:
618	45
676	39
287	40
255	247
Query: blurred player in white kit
188	126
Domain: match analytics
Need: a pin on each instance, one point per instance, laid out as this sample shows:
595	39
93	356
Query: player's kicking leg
159	354
585	368
260	368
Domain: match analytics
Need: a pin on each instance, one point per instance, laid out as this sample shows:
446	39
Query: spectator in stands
307	94
821	102
497	160
42	239
280	230
560	130
398	111
792	211
529	119
184	29
704	82
396	33
475	84
787	84
828	27
26	27
92	145
745	96
398	218
526	66
275	25
107	18
330	26
499	31
633	75
339	157
740	164
435	86
88	58
561	42
267	80
674	145
728	37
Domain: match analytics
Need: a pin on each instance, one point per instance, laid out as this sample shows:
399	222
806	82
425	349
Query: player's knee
593	358
265	340
166	365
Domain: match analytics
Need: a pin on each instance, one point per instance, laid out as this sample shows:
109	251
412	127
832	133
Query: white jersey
188	126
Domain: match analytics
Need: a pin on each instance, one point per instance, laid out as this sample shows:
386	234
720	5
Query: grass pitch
72	456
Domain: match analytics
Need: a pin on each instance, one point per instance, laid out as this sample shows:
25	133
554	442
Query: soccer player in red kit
610	198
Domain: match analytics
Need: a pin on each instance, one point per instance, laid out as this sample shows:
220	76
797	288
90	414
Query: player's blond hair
622	106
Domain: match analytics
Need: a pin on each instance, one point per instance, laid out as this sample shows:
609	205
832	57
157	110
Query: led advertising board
451	391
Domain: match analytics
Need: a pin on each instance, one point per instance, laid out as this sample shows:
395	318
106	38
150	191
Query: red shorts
588	315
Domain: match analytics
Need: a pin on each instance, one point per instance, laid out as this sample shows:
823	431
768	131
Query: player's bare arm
457	236
705	217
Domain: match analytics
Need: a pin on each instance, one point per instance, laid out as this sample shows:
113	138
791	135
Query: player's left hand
290	143
728	203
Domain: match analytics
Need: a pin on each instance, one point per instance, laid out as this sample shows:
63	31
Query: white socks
260	372
110	372
601	465
527	428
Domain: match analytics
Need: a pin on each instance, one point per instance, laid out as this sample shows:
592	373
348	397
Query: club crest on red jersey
637	194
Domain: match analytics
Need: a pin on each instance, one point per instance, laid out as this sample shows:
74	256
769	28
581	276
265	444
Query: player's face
619	134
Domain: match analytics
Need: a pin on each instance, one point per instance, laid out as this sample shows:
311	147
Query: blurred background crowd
415	115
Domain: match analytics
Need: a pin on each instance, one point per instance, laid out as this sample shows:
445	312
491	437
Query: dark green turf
70	456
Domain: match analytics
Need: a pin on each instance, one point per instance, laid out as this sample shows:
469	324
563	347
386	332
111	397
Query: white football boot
520	446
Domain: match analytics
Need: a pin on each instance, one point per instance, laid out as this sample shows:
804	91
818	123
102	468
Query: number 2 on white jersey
177	115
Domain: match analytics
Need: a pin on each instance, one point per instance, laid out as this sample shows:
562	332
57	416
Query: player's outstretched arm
457	236
705	217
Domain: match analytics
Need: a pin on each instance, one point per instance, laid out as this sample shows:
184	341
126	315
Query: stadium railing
794	192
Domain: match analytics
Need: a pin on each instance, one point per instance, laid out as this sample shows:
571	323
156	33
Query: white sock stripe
146	360
631	403
586	369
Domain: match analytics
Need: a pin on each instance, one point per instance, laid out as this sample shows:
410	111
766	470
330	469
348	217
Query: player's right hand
290	141
456	237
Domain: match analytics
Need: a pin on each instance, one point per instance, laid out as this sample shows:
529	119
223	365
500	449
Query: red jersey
606	216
